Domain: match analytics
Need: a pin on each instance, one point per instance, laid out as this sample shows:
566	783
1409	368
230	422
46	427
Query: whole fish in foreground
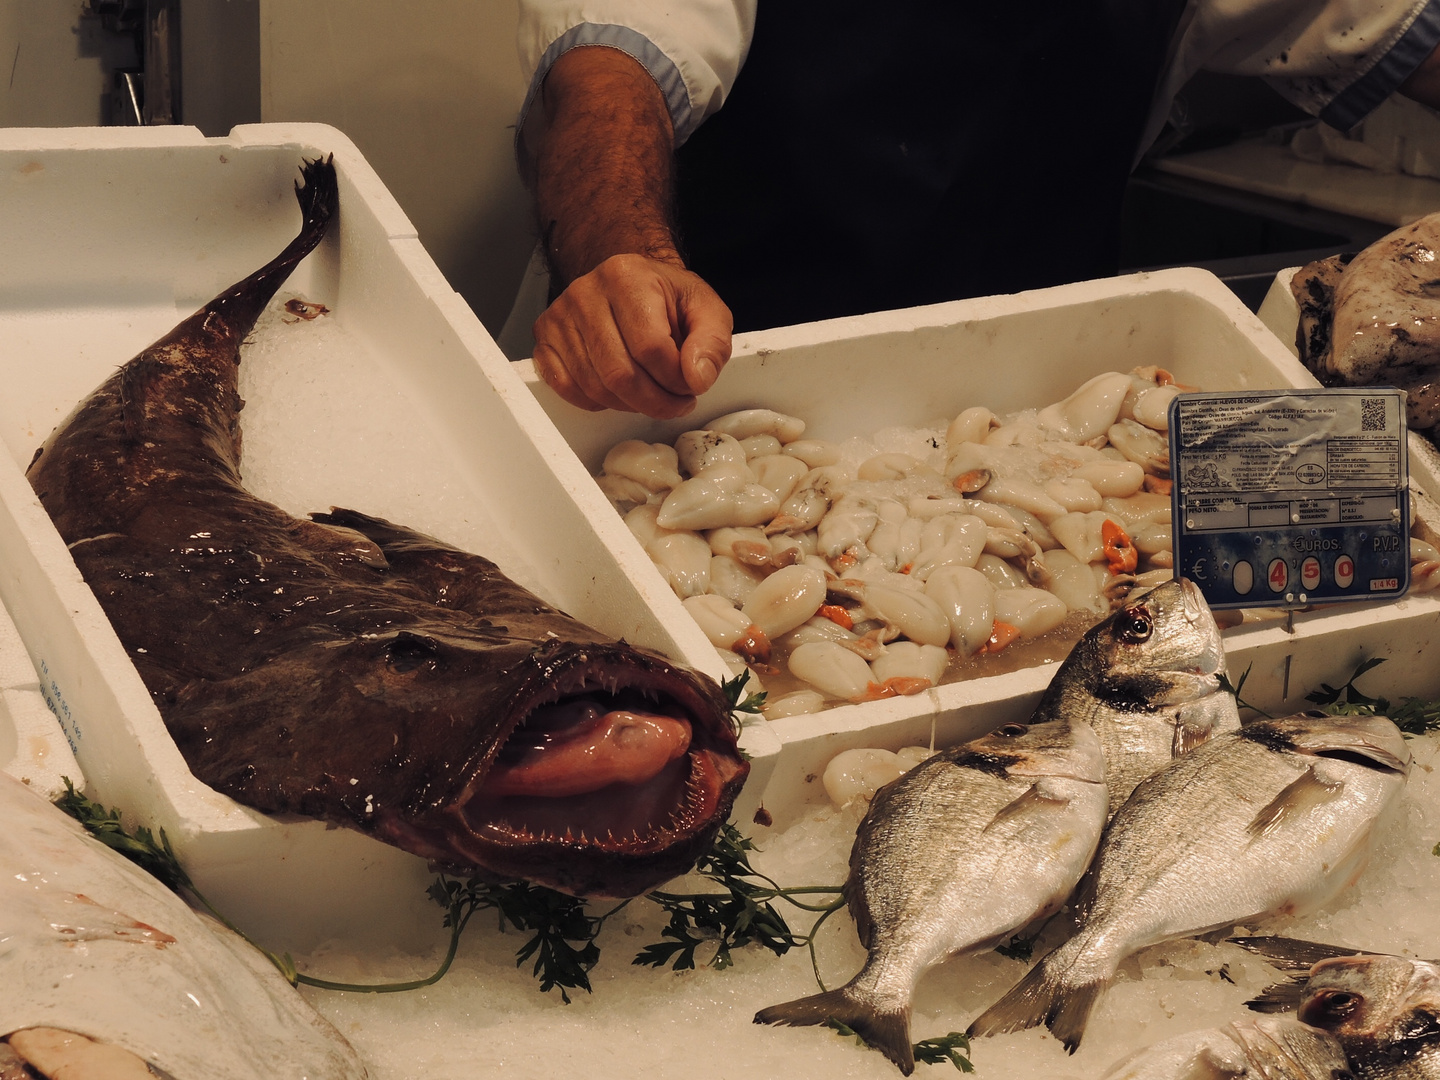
1384	1009
91	944
1241	1050
1273	819
350	669
953	857
1147	679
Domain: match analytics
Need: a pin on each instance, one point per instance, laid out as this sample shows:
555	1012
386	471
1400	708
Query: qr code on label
1372	414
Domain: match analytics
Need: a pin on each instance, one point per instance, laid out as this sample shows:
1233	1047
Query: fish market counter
395	402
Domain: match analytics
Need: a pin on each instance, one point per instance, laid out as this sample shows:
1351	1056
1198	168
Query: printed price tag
1290	498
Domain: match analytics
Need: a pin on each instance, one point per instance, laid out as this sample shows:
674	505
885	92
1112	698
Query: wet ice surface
487	1016
326	424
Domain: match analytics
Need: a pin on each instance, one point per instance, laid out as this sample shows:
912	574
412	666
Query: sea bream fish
1273	819
952	858
1265	1049
92	946
1148	680
1384	1009
353	670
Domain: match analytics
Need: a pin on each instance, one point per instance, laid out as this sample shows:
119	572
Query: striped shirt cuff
1413	47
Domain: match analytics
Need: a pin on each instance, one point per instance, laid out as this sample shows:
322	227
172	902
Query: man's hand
634	329
635	334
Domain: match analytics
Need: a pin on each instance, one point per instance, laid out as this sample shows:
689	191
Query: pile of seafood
868	573
1374	318
1136	769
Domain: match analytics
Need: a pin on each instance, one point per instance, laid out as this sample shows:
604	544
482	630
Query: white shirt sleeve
693	49
1336	59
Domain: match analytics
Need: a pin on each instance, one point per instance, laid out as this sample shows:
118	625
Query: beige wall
51	72
428	90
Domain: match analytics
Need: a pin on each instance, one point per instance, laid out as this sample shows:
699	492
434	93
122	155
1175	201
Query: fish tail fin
319	199
887	1030
1044	996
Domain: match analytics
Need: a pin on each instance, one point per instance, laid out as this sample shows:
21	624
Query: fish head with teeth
610	770
589	766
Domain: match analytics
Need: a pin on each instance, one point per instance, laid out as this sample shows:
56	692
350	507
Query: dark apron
880	155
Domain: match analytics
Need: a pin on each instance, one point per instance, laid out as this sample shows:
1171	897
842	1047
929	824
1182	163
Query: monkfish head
608	770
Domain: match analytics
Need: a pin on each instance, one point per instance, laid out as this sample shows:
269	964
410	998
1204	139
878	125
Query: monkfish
350	669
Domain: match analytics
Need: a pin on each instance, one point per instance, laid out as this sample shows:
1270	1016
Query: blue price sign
1291	498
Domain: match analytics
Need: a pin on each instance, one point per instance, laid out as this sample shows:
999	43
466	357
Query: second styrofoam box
918	366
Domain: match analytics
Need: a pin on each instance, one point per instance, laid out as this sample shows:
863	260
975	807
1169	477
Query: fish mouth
616	775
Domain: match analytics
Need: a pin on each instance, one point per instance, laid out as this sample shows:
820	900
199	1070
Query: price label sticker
1291	498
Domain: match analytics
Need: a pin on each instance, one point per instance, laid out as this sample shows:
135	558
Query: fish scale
954	856
1274	819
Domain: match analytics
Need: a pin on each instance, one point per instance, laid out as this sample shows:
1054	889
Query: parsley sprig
954	1047
1413	716
739	912
157	857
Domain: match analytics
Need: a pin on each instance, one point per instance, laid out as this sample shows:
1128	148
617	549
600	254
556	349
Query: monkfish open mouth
612	770
615	777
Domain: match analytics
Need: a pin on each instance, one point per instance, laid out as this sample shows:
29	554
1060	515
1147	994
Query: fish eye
1135	625
1333	1004
408	651
1011	731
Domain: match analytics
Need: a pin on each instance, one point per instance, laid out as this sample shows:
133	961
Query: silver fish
1147	679
91	944
1242	1050
1273	819
953	857
1385	1010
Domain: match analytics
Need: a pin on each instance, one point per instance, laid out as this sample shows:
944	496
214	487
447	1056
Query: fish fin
1281	997
1035	796
1042	997
886	1030
1294	954
1199	722
340	540
1304	792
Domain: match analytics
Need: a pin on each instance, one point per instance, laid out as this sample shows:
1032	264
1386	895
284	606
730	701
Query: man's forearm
597	153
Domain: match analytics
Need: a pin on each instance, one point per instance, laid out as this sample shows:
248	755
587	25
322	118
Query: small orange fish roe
1119	549
837	614
876	691
1001	635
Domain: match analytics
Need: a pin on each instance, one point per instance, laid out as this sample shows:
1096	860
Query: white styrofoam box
33	747
404	408
912	367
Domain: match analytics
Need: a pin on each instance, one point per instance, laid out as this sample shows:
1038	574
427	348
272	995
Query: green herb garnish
157	858
555	920
739	913
733	688
1235	689
1413	716
954	1048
